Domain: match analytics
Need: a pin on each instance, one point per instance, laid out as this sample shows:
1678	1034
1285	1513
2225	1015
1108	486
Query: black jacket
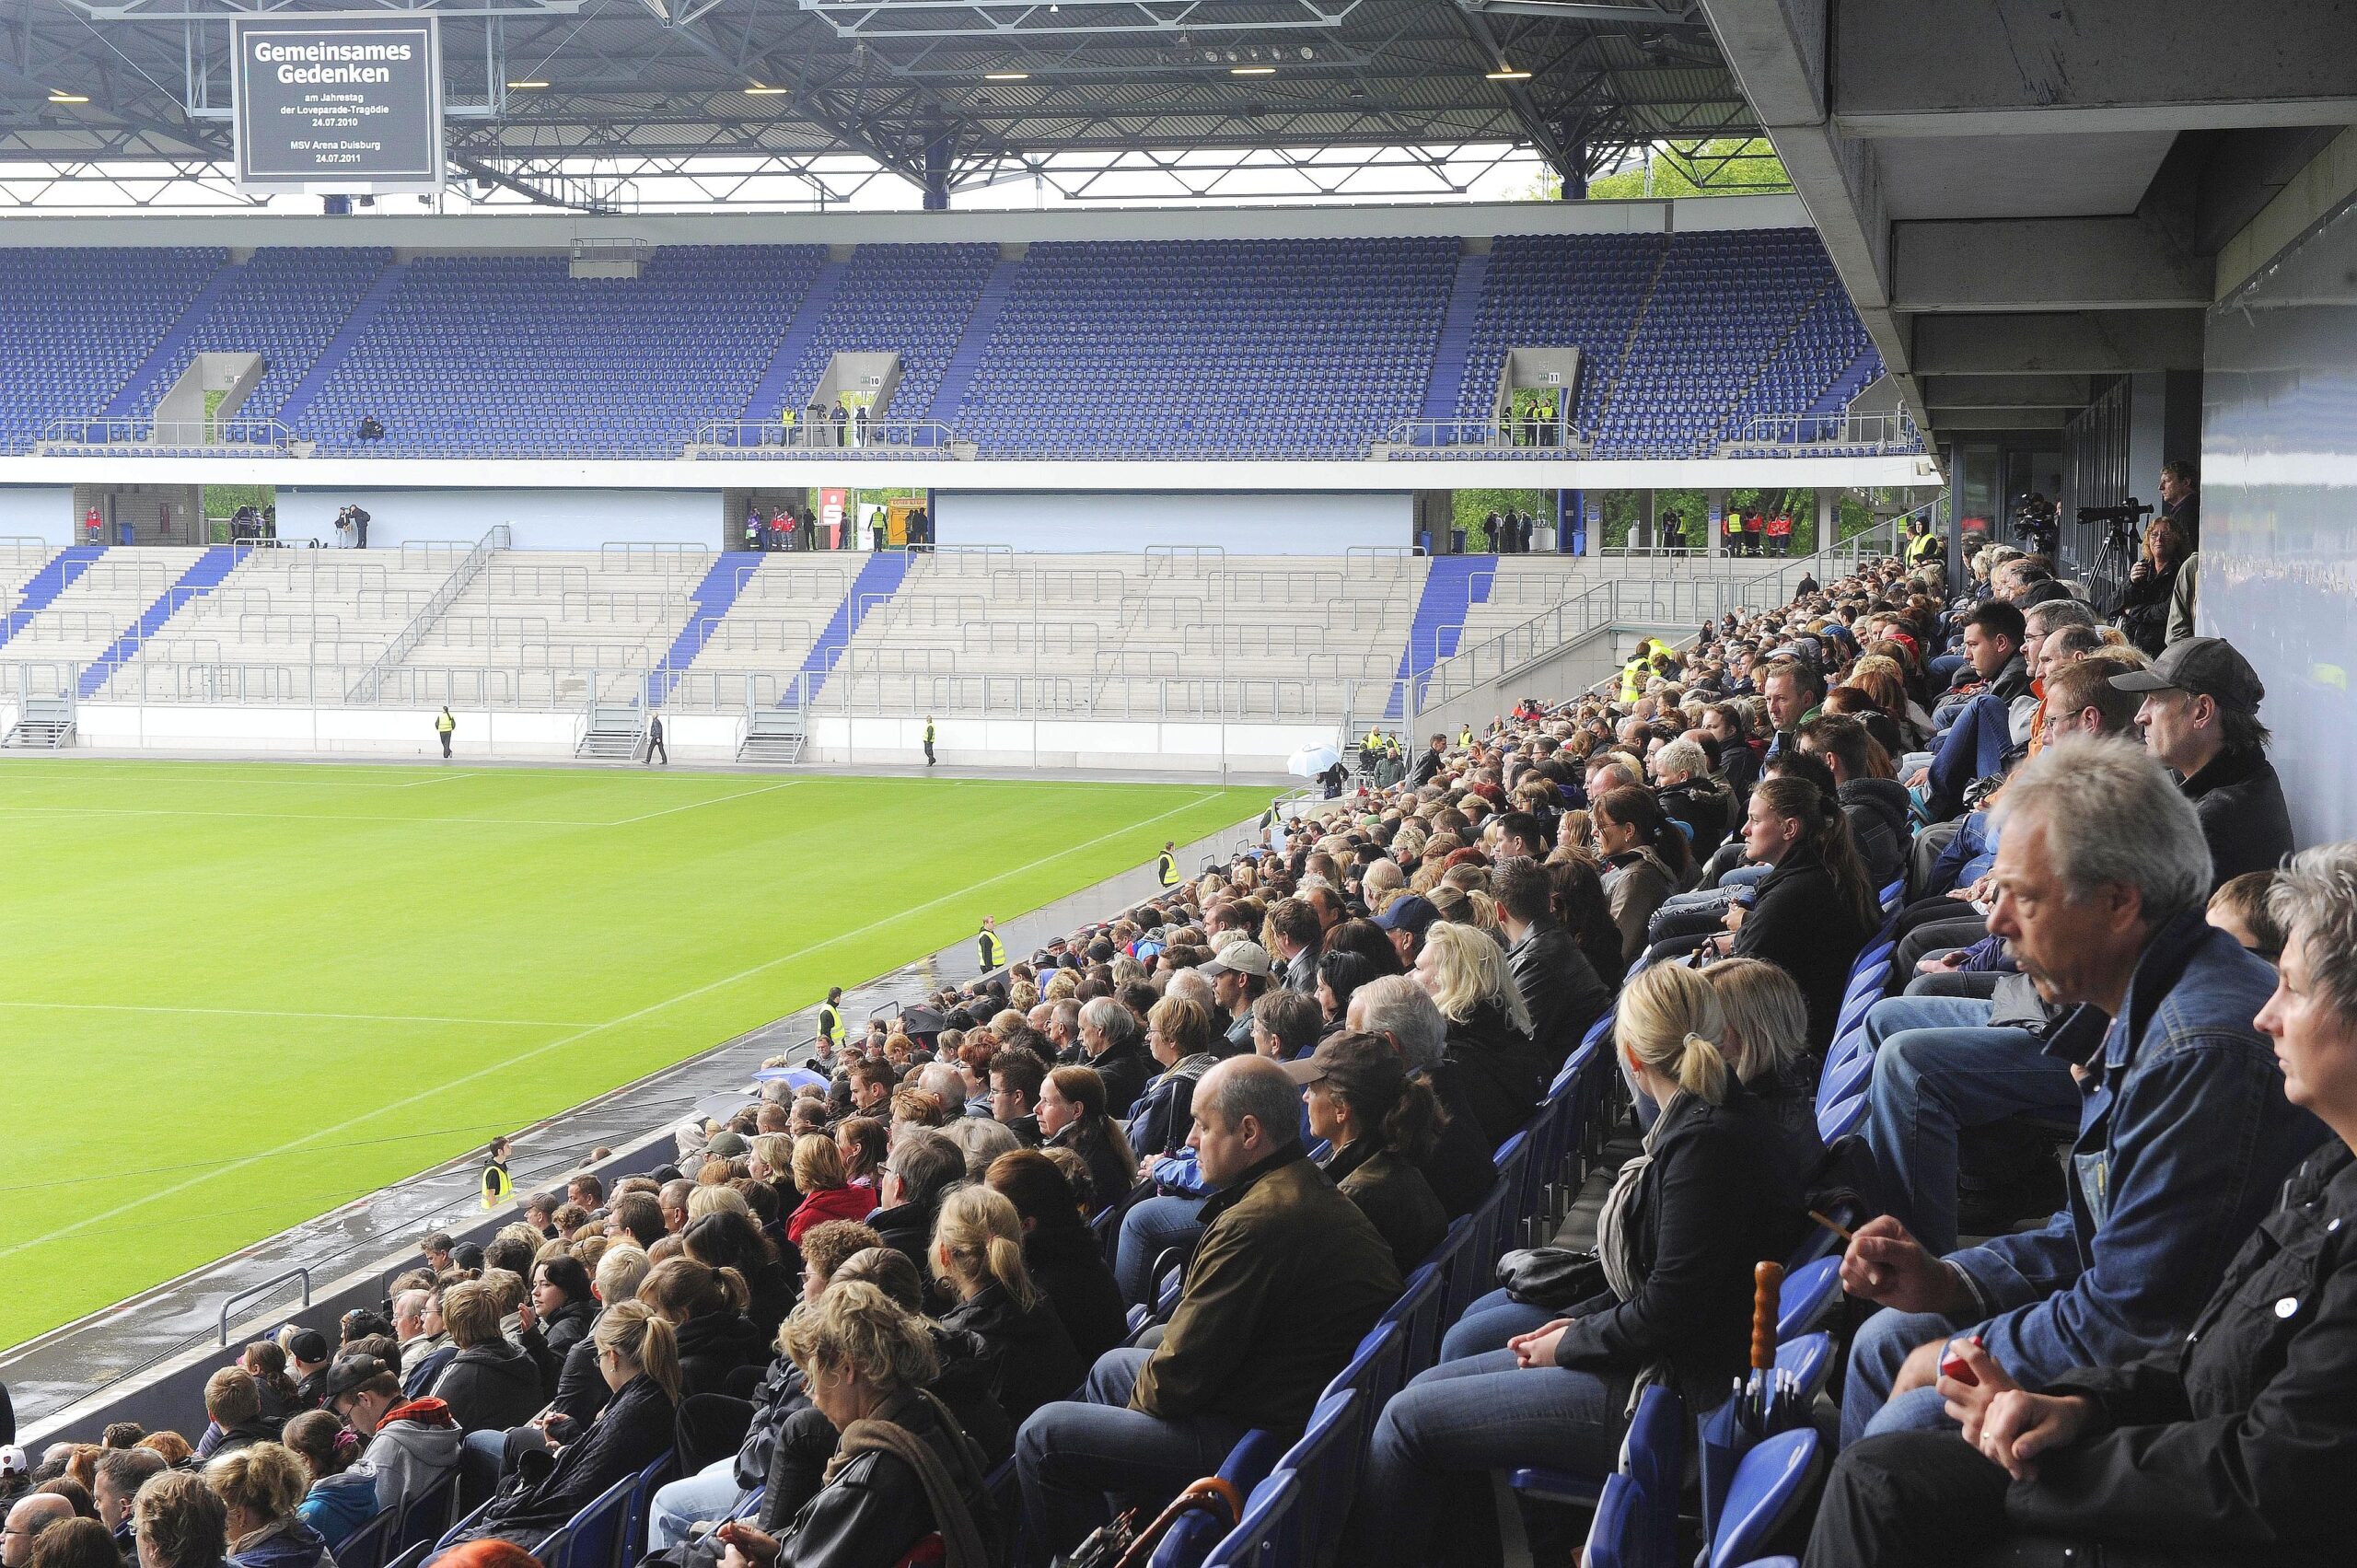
1881	817
1111	1179
1031	1358
2240	802
1722	1193
581	1390
1069	1268
1561	987
1427	767
1125	1069
874	1508
2240	1441
775	1290
491	1387
1458	1167
1800	924
1492	1070
781	1392
633	1431
1394	1196
908	1226
549	1340
713	1346
1704	808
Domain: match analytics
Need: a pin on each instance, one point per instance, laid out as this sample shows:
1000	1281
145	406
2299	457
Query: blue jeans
1939	1068
1074	1454
1150	1226
710	1493
1488	1323
1438	1438
1881	1348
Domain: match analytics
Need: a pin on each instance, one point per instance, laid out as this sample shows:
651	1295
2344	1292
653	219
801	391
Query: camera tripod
2116	558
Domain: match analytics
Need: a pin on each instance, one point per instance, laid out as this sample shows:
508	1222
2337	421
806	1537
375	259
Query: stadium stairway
323	368
131	396
1456	337
708	601
196	582
958	376
1455	584
1849	384
47	584
879	578
771	392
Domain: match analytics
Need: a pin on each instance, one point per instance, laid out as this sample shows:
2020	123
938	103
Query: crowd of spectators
2105	1163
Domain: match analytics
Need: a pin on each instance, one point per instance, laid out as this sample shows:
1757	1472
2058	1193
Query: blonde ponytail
1669	1019
978	1235
636	1331
1702	1070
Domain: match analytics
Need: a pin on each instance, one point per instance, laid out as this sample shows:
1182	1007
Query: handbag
1551	1277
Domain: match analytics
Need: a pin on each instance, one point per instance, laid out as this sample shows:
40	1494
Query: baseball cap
351	1371
2203	666
1239	957
728	1146
1363	1067
308	1345
11	1461
1411	913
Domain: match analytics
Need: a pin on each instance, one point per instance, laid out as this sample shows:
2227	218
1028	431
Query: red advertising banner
831	506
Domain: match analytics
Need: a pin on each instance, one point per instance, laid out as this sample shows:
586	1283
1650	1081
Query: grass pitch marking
283	1012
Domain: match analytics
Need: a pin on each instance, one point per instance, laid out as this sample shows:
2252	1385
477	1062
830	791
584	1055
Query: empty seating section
1315	347
509	355
1266	348
95	609
1143	636
1558	291
751	655
285	305
909	299
76	324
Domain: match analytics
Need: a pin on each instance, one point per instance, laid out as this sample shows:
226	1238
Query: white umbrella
1312	761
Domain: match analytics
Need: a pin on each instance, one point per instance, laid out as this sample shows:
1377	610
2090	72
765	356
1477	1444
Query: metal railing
470	566
852	438
1843	432
249	437
255	1293
1483	438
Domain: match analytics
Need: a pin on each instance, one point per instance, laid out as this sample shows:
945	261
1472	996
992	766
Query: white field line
282	1013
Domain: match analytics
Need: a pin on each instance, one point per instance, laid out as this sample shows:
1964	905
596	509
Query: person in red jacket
1780	534
828	1195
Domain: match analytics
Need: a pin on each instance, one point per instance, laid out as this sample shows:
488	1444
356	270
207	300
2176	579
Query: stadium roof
947	94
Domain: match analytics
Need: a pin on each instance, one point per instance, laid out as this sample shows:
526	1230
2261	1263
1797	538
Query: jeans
1150	1226
1938	1068
1071	1455
1438	1438
1488	1323
1881	1348
710	1493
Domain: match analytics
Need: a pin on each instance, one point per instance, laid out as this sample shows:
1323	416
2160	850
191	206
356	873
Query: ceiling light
1252	69
1508	74
757	90
519	85
1006	75
67	98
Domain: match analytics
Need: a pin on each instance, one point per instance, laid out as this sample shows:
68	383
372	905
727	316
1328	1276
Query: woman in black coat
1073	1115
978	1258
639	1360
725	1239
556	1316
2235	1444
705	1308
1489	1069
1062	1253
1815	912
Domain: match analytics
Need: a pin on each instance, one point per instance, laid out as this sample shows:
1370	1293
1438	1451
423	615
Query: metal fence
238	437
1836	433
852	438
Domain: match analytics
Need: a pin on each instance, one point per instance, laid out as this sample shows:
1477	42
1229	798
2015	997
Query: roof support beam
2078	342
1946	393
2044	264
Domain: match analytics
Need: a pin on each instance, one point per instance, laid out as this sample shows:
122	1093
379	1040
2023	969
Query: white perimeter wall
44	513
1241	523
543	519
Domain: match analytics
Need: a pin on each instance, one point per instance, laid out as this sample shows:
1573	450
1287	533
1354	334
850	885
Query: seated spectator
1180	1038
1979	734
923	1169
1688	795
556	1317
1647	860
981	1141
1815	910
1558	987
1490	1071
266	1359
76	1543
976	1259
1881	816
30	1517
1576	897
2231	1444
1395	1010
1378	1124
2185	1136
2200	719
1340	973
1715	1191
337	1501
410	1446
2240	908
903	1470
728	1239
233	1407
491	1383
1073	1116
181	1522
1241	975
639	1360
262	1489
1285	1025
1062	1253
1017	1076
122	1472
1287	1279
1767	1044
825	1195
711	1338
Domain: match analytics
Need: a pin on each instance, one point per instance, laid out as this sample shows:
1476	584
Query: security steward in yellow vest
830	1018
989	949
1166	864
497	1191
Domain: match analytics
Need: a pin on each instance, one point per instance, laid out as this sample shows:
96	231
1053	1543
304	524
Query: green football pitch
234	996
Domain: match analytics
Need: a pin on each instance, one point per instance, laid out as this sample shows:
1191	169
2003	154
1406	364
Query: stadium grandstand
1443	783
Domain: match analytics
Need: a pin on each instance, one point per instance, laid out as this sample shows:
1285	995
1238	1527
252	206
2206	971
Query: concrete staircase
612	735
1455	584
1447	383
43	723
958	376
315	380
46	583
199	579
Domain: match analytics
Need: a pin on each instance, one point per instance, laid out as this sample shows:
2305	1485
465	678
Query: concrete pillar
1717	503
1829	515
1644	536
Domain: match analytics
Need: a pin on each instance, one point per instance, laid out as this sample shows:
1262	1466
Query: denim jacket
2184	1142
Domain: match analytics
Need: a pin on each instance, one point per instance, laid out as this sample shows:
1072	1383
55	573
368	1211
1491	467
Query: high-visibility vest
928	733
1465	736
830	1023
496	1188
991	951
1166	867
444	723
1926	545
